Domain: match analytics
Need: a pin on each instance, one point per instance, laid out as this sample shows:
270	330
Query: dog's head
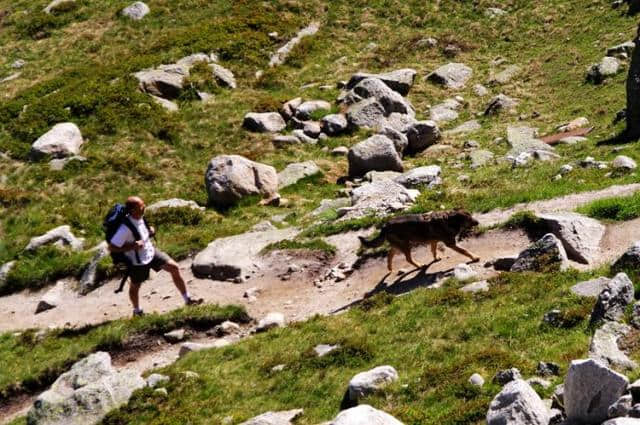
463	221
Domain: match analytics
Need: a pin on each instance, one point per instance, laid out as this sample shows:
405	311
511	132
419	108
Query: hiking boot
192	301
138	313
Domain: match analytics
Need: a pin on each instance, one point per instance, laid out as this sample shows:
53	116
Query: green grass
481	333
619	209
37	361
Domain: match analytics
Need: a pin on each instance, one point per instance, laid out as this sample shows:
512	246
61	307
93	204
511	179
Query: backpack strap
135	233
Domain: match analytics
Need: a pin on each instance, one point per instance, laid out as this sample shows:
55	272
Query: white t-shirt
123	235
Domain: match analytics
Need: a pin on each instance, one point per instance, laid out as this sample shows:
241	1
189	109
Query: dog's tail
375	242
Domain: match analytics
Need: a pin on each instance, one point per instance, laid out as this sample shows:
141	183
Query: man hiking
142	255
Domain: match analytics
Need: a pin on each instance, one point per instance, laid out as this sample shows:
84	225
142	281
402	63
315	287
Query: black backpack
117	216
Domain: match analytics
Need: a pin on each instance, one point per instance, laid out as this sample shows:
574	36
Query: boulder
421	135
324	349
264	122
399	140
223	76
52	298
302	137
189	61
364	415
590	288
630	260
60	236
622	162
230	178
136	11
464	272
85	394
234	257
429	176
166	81
400	80
608	67
505	75
547	369
635	312
375	153
59	6
452	75
480	158
89	279
400	122
545	254
366	383
270	321
62	140
379	198
282	141
494	12
293	173
304	110
464	128
604	346
614	299
621	407
165	103
174	203
517	404
508	375
227	328
523	139
312	129
580	235
500	103
334	124
589	389
390	100
446	111
368	113
275	418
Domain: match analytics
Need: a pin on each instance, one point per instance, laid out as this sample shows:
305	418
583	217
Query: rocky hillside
265	138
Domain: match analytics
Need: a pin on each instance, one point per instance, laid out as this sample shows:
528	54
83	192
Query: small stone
161	392
136	11
476	380
324	349
340	151
464	272
624	162
547	369
156	379
505	376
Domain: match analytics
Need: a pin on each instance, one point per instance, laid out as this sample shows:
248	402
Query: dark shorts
139	274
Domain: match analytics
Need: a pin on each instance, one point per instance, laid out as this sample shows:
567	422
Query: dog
405	232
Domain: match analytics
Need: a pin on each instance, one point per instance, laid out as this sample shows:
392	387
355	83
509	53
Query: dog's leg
390	255
407	255
464	252
434	250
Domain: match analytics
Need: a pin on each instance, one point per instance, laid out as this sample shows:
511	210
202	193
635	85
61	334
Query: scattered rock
506	75
476	380
62	140
52	298
302	137
599	72
324	349
399	140
59	6
547	369
264	122
275	418
589	389
590	288
368	114
464	272
501	103
280	56
379	198
621	407
226	328
86	393
293	173
604	346
572	140
156	379
480	286
375	153
400	80
271	320
480	158
539	381
502	263
174	203
230	178
330	204
282	141
165	81
446	111
334	124
366	383
575	124
374	88
5	269
60	236
614	298
452	75
621	51
89	279
188	347
523	140
545	254
580	235
630	260
517	404
364	415
421	135
429	176
58	164
223	76
480	90
374	176
494	12
624	162
235	256
175	336
306	109
464	128
505	376
18	64
136	11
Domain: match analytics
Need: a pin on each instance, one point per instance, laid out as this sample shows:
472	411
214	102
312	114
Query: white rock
296	172
59	235
280	56
52	298
517	404
604	346
476	380
275	418
580	235
624	162
62	140
364	415
59	5
271	320
452	75
263	122
136	11
366	383
464	272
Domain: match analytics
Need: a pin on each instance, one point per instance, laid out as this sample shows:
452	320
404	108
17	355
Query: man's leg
134	289
174	270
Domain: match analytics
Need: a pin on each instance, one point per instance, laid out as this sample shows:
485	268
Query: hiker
142	256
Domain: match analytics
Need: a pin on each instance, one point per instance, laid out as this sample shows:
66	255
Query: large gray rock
399	140
61	236
622	162
52	298
378	198
174	203
59	6
5	269
400	80
89	279
166	81
62	140
364	415
334	124
270	321
230	178
429	176
589	389
421	135
445	111
517	404
223	76
614	299
545	254
368	113
452	75
375	153
293	173
580	235
275	418
390	100
604	346
236	256
480	158
305	109
464	128
630	260
523	139
590	288
608	67
85	394
264	122
500	103
136	11
506	75
366	383
400	122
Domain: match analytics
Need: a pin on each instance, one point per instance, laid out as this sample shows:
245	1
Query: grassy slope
435	338
38	361
80	71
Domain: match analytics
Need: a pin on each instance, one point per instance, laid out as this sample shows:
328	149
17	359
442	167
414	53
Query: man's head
135	206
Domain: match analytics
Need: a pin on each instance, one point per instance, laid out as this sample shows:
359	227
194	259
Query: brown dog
405	232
